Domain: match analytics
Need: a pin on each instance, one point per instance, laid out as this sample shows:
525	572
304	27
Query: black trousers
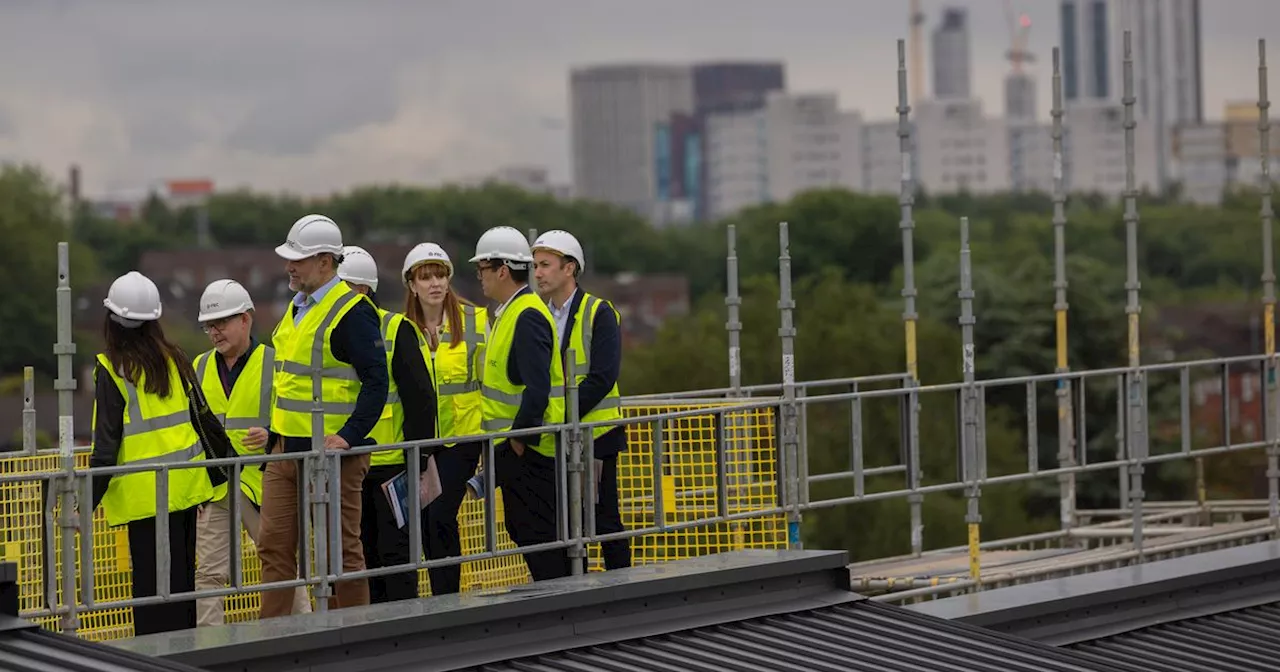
616	553
440	535
166	616
385	545
529	498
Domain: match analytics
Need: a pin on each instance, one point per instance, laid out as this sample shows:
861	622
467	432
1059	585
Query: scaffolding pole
1135	434
795	467
1268	293
969	410
1066	439
64	349
733	324
906	199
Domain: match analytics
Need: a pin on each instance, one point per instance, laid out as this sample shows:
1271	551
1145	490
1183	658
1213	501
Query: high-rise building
1167	71
718	88
951	63
794	143
617	113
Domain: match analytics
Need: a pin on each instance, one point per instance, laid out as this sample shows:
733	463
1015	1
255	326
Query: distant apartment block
534	179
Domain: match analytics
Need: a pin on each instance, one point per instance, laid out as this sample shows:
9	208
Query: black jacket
605	367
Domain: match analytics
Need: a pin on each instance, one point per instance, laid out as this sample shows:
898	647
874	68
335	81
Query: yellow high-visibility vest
609	408
390	427
156	430
305	349
248	406
456	372
501	397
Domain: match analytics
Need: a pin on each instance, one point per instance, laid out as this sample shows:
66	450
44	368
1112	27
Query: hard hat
562	243
133	297
425	253
311	235
223	298
358	267
505	244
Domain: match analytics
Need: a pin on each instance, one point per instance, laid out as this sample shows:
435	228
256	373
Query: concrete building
952	69
534	179
795	143
882	157
1217	157
616	113
1030	156
1094	159
960	149
1167	69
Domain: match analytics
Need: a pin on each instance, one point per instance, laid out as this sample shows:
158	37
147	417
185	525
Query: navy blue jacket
529	364
605	367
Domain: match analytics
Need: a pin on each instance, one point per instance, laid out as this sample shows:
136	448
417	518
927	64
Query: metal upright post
969	467
1268	293
732	301
906	199
1136	429
28	410
320	495
790	427
574	467
533	235
1066	439
65	384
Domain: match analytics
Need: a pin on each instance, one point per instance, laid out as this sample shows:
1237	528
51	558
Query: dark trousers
528	485
616	553
385	544
165	616
440	536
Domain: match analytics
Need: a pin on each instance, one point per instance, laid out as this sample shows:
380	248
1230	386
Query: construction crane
1019	28
916	21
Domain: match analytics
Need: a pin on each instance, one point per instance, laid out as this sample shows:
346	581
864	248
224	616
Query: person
142	414
236	378
589	326
410	415
455	331
328	345
522	389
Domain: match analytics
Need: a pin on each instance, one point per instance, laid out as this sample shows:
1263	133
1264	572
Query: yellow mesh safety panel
687	491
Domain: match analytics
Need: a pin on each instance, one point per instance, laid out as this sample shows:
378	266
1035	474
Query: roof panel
865	635
1245	640
35	649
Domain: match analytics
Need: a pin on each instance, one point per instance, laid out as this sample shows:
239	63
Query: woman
142	414
455	332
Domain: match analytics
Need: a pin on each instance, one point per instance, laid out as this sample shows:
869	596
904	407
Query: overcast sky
315	95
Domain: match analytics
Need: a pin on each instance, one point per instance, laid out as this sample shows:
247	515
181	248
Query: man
410	416
522	388
589	325
236	377
328	346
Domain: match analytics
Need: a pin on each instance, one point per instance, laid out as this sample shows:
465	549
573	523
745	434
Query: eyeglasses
218	325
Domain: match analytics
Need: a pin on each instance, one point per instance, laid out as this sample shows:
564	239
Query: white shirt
561	314
503	306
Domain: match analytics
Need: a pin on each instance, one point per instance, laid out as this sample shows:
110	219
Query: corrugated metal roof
1245	640
864	636
30	649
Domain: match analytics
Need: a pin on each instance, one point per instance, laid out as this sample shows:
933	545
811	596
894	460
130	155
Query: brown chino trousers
278	536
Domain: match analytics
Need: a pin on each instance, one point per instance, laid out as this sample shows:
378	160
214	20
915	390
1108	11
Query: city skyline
137	92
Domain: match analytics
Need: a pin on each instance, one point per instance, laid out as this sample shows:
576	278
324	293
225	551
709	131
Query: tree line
846	257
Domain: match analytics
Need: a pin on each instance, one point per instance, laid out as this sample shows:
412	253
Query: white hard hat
133	297
311	235
425	253
505	244
358	267
562	243
224	298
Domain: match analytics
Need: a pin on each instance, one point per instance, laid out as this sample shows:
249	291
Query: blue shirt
303	302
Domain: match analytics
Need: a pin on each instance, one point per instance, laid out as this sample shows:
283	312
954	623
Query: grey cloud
298	121
6	123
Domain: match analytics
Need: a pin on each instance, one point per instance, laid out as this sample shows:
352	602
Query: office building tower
951	62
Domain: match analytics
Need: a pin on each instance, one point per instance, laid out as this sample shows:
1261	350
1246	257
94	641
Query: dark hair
144	353
520	276
452	303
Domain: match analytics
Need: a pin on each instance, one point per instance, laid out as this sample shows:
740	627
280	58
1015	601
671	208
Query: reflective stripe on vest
501	397
249	406
390	427
609	408
454	370
307	373
156	430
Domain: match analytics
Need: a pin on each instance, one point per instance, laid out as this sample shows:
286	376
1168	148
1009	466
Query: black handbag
213	437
